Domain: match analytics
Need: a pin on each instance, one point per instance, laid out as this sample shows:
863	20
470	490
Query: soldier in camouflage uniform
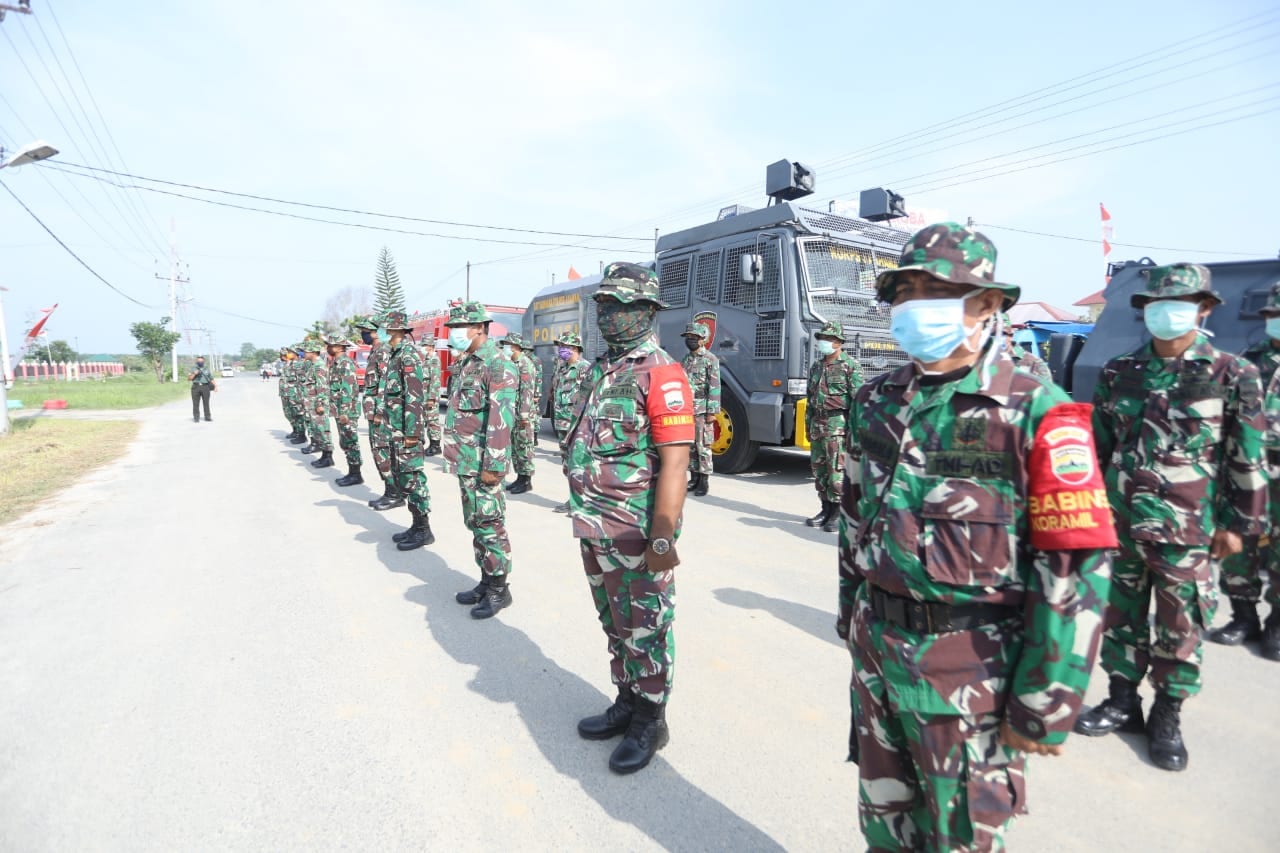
628	452
344	403
703	370
1178	426
431	413
568	388
1024	359
314	401
972	560
478	431
833	380
399	408
298	428
379	435
1270	646
1242	573
529	399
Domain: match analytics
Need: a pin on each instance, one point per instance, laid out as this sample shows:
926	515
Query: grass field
40	457
118	392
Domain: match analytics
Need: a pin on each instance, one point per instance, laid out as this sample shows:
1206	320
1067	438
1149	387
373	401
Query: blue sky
606	119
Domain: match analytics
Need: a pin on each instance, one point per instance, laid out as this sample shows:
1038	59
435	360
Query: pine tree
388	295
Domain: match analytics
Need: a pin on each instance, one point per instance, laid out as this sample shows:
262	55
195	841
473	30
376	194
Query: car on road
228	371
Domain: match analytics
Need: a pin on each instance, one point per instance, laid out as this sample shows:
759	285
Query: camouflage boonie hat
515	341
397	320
1175	280
949	252
337	341
569	339
629	283
365	321
468	313
1272	305
313	345
833	329
696	330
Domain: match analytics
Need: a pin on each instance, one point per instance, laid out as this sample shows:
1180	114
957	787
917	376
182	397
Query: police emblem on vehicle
708	319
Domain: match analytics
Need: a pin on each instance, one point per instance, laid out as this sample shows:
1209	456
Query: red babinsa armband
1066	498
670	405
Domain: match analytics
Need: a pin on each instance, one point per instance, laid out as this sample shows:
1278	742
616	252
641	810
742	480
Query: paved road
209	646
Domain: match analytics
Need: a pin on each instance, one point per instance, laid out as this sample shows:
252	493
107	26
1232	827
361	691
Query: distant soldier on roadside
1242	574
528	400
379	435
628	453
1024	359
344	403
703	370
202	383
431	412
297	429
833	380
1178	425
478	429
399	408
569	386
315	403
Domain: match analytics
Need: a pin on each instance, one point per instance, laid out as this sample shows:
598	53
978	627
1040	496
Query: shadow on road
811	620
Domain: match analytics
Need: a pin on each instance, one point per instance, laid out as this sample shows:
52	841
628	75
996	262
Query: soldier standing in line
970	596
399	410
379	435
703	369
1242	573
1270	646
477	448
569	385
1178	427
297	431
431	412
1024	359
297	368
315	403
344	402
628	453
202	383
528	401
833	380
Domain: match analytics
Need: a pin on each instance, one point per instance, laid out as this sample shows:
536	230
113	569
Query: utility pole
4	369
468	281
174	281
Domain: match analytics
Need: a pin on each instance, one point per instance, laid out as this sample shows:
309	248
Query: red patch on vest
1066	498
670	405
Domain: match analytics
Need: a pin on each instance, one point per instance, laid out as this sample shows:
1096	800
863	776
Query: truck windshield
841	281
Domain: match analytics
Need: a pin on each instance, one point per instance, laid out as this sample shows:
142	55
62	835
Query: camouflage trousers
431	418
1243	573
380	450
523	441
1180	579
704	435
826	459
408	474
484	510
293	415
349	441
318	429
636	608
928	781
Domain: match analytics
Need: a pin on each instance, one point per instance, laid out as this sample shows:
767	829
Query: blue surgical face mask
1167	319
1273	328
459	340
929	330
824	347
384	335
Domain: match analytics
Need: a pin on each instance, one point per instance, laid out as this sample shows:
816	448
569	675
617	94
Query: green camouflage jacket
635	403
703	370
373	369
285	385
1266	358
482	412
830	394
431	364
935	509
1180	441
402	392
528	394
1031	363
569	386
344	397
315	385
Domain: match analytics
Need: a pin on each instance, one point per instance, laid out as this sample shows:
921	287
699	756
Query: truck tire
732	449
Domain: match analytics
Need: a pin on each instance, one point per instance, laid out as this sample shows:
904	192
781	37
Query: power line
1096	241
70	251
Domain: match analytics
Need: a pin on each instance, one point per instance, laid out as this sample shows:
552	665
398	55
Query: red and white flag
574	275
47	312
1107	234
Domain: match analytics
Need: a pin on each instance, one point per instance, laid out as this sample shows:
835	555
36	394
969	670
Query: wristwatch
660	546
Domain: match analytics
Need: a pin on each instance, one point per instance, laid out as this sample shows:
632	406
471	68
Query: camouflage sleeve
850	578
525	404
1104	437
502	385
811	393
713	386
537	387
854	383
1040	369
414	379
1243	506
349	402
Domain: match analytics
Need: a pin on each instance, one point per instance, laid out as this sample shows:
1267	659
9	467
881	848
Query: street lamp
33	153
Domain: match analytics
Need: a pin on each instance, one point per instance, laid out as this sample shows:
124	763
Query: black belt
931	617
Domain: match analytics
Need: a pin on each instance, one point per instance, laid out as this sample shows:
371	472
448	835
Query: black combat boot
1164	734
704	483
821	518
1244	625
298	438
613	722
523	483
1122	711
392	499
353	477
563	508
832	522
433	449
307	448
417	535
474	595
646	734
692	484
1271	636
497	595
387	491
325	460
